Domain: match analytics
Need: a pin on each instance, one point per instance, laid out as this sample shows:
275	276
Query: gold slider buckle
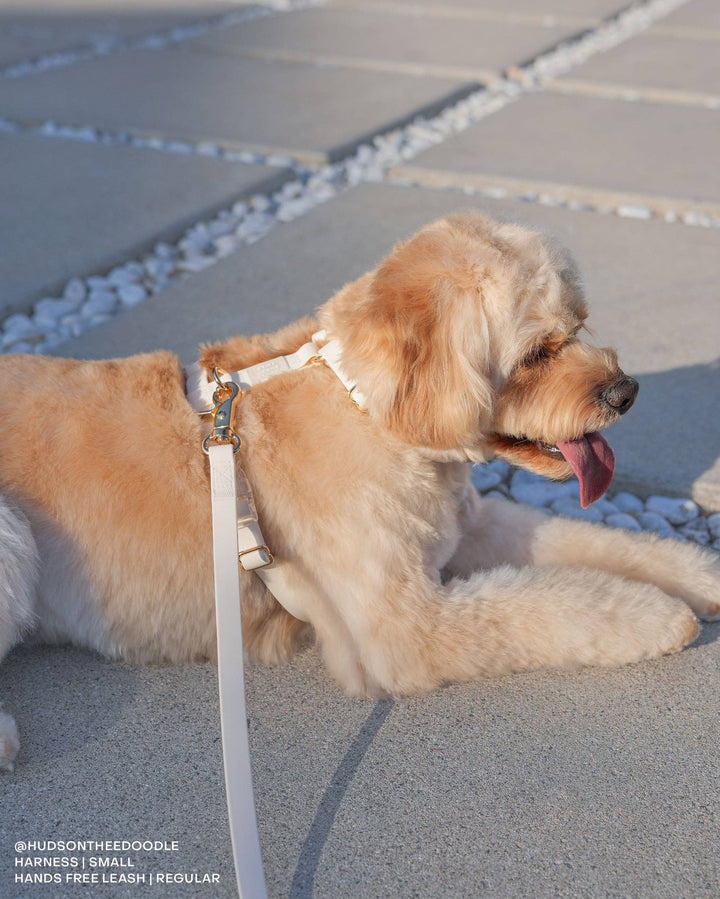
255	549
223	399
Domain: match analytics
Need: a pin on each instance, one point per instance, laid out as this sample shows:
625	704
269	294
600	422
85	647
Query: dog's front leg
496	531
423	634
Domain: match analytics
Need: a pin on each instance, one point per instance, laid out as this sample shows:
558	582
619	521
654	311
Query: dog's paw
671	628
699	587
635	621
9	742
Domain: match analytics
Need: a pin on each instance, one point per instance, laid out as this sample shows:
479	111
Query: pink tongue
593	461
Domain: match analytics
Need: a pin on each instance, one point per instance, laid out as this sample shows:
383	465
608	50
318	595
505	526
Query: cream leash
237	539
220	447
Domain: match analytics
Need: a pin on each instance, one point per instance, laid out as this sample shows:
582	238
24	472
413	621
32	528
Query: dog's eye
537	354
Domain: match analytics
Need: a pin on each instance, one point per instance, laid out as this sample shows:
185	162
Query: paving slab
591	142
643	63
388	37
701	14
197	95
71	209
591	783
32	29
649	284
591	10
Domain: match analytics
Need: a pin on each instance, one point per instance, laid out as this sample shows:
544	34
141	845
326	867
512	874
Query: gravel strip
86	303
666	516
104	46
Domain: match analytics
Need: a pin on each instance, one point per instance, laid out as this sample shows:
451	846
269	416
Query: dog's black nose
620	395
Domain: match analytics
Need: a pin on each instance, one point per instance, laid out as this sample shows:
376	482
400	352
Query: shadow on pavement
671	438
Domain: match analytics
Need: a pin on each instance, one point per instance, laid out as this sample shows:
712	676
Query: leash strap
237	540
231	676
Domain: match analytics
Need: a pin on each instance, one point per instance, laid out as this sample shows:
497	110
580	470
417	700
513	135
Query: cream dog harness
237	538
254	553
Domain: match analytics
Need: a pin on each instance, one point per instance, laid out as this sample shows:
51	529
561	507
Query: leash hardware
263	546
318	357
222	431
362	409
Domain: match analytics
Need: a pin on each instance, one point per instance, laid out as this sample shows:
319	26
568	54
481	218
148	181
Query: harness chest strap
200	391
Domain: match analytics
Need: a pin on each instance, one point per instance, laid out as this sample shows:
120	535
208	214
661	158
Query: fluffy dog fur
464	341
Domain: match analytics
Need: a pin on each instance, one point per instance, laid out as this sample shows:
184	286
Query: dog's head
465	339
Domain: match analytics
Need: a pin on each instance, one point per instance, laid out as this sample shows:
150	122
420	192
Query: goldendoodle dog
464	343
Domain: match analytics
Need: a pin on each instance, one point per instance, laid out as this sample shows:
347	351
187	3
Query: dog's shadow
671	437
64	698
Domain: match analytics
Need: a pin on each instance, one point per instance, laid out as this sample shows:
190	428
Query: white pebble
221	226
635	212
653	521
254	224
100	302
697	530
497	465
628	502
260	202
196	263
134	268
539	491
165	251
483	479
19	327
22	346
677	511
75	291
605	507
205	148
226	245
622	520
118	277
292	209
158	268
132	294
177	146
321	192
48	312
569	506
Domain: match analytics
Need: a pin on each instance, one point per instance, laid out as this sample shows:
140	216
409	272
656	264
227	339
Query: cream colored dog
465	343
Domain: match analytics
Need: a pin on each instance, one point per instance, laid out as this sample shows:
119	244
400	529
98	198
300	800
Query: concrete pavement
592	783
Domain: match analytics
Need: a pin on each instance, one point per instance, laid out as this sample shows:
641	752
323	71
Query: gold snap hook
227	392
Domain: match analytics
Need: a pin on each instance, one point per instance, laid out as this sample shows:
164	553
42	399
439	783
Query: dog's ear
413	337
